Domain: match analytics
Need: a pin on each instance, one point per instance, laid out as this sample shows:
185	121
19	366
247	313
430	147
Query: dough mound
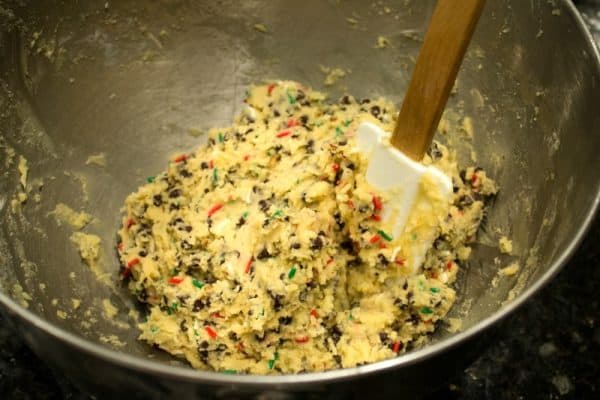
264	251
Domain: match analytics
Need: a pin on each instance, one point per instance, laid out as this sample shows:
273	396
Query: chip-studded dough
263	251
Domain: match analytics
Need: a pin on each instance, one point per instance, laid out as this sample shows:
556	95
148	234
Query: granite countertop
550	348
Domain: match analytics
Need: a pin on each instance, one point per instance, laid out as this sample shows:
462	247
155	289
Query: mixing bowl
141	80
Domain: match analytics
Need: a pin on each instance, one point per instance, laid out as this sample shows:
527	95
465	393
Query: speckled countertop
549	349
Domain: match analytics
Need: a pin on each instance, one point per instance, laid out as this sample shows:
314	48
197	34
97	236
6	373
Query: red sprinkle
130	222
240	346
400	261
375	239
350	204
377	203
396	347
246	157
301	339
292	122
314	313
382	245
270	88
217	315
211	164
133	262
214	209
120	246
449	265
474	179
248	265
376	217
175	280
180	158
284	134
211	332
335	167
329	261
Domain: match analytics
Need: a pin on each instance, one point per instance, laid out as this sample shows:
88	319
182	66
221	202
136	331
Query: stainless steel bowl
131	78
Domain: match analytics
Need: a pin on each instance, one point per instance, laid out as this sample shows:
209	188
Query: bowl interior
137	80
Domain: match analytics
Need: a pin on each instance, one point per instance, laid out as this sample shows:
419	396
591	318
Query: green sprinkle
172	309
150	179
414	236
384	235
434	290
220	137
292	273
245	215
277	214
230	371
215	176
338	131
197	283
421	285
350	316
154	329
426	310
291	99
272	361
196	333
347	122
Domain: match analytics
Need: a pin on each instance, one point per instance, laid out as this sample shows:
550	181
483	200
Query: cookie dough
264	251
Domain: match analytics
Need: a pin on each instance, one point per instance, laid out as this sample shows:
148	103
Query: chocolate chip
157	200
337	216
382	260
347	245
175	193
183	326
240	222
316	244
198	305
434	151
264	205
375	111
286	320
203	354
263	254
335	333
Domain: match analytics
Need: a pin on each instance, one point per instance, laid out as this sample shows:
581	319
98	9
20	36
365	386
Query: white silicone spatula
418	195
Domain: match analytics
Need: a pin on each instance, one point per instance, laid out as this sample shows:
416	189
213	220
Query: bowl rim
148	366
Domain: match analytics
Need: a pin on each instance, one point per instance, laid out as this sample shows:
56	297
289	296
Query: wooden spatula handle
450	30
